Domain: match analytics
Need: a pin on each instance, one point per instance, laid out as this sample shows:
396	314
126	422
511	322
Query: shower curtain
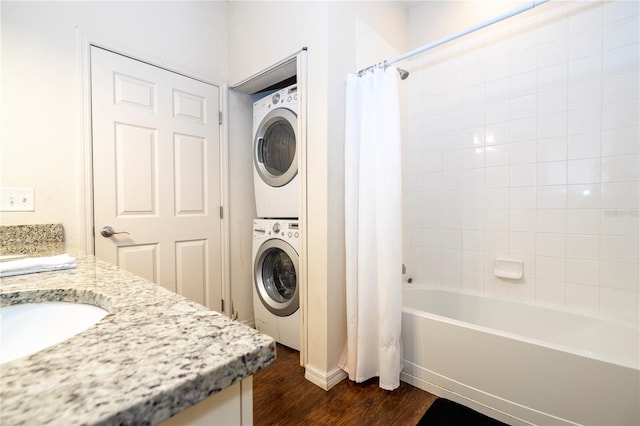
373	228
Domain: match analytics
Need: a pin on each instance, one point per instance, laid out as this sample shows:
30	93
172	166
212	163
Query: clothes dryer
275	280
275	154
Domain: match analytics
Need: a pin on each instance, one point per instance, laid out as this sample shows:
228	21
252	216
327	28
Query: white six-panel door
156	168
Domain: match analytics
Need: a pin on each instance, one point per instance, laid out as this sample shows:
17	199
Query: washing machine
276	302
275	154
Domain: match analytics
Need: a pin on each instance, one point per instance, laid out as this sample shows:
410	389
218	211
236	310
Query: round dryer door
275	147
276	277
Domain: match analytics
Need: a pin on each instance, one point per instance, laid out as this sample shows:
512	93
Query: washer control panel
284	228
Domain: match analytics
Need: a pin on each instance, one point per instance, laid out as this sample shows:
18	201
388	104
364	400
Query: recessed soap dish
512	269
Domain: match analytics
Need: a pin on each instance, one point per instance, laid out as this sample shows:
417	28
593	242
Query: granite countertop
154	355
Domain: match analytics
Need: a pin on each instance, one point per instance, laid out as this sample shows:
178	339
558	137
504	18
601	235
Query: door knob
108	231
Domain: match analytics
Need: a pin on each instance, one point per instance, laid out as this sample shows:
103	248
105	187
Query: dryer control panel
289	94
283	98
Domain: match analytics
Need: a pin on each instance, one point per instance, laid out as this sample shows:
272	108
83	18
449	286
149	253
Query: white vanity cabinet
231	406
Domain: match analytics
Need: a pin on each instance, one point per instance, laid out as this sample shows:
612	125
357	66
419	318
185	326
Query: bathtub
521	363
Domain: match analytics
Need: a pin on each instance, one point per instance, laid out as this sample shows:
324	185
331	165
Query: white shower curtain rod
447	39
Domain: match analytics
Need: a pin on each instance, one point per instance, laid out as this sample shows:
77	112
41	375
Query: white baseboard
325	380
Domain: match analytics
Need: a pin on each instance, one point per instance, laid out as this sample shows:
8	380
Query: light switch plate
17	200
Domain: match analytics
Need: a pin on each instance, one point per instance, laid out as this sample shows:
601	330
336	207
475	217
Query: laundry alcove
240	99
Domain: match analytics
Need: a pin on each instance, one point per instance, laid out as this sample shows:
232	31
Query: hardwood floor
282	396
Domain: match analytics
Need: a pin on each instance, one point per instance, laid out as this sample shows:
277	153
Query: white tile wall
524	141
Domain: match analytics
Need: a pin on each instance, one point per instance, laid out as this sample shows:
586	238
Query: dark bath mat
448	413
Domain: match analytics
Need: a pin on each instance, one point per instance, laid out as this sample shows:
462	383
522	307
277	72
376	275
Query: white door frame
84	41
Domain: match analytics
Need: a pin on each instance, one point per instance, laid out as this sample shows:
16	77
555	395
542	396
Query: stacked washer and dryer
276	234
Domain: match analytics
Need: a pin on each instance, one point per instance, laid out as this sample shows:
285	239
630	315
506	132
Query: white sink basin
31	327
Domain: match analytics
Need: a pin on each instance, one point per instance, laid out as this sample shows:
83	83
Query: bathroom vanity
155	358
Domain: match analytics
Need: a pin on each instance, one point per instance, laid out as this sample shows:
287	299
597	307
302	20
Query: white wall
329	30
250	53
524	143
41	85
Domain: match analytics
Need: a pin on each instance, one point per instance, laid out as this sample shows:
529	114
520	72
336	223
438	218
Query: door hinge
221	212
219	117
222	305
